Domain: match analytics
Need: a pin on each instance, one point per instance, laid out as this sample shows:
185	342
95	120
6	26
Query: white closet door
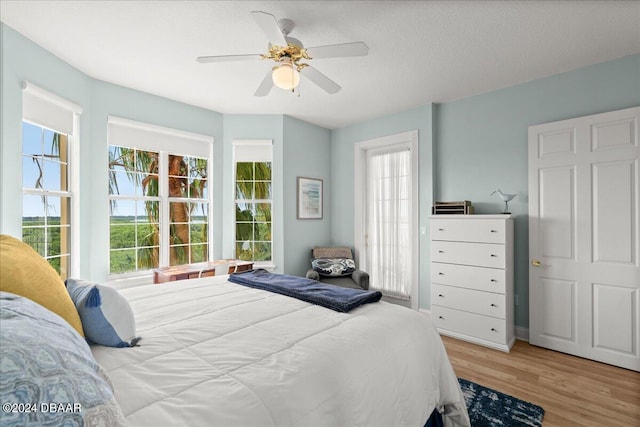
584	276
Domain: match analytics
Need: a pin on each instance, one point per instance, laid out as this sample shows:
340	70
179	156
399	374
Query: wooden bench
194	271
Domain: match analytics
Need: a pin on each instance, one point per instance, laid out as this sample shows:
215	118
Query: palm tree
253	220
180	185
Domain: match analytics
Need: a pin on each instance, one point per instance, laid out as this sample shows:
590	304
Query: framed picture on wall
309	198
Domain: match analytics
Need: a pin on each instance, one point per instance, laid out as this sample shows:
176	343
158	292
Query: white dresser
472	278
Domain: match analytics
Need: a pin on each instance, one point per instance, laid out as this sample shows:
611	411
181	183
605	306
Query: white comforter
214	353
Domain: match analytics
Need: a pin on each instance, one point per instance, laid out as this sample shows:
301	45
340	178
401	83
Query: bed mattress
214	353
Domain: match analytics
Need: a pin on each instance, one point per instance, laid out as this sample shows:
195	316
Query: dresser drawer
469	230
478	254
465	276
475	325
471	300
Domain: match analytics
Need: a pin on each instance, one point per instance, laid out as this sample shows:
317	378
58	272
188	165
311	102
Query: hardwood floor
573	391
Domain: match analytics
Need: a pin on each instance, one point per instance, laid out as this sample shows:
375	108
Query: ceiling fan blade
270	27
227	58
265	86
320	79
339	50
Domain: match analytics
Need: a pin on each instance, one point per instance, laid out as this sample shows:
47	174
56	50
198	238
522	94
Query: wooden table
194	271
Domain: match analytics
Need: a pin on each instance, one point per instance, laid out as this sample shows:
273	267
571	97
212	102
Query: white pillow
107	318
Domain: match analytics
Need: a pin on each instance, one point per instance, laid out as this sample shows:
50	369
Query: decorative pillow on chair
24	272
334	266
106	315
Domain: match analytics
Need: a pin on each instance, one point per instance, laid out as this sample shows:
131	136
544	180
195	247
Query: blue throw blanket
324	294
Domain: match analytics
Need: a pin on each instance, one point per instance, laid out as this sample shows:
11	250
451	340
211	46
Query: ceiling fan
288	54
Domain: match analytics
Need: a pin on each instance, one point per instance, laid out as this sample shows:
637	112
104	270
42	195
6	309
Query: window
134	231
47	216
253	201
189	209
158	197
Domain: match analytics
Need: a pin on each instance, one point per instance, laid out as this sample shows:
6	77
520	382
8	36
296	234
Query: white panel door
584	237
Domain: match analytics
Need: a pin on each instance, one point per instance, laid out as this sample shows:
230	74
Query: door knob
536	263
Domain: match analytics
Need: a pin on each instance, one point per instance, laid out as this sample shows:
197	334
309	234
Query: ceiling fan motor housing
286	26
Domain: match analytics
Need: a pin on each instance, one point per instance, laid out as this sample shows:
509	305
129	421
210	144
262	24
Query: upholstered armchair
336	265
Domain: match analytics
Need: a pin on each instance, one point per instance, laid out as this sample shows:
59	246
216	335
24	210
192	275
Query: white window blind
145	136
47	109
260	150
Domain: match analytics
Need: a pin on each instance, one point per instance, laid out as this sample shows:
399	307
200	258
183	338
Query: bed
215	353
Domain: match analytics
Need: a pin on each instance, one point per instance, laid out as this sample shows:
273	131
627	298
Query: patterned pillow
49	376
107	318
334	266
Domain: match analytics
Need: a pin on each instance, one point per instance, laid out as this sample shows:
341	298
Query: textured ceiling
420	51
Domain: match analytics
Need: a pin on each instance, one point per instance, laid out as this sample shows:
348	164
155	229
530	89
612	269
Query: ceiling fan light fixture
286	76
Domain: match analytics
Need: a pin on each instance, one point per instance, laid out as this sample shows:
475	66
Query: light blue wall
342	164
24	60
481	141
307	153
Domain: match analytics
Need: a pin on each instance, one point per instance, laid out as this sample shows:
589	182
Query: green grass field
124	254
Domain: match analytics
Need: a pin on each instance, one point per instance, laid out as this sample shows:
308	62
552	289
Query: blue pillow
334	266
107	318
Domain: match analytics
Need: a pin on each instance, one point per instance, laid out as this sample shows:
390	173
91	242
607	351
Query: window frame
263	148
49	111
163	140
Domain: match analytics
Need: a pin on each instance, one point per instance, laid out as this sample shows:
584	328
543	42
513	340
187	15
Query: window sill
120	283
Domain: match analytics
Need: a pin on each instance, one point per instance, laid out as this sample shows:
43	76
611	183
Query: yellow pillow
24	272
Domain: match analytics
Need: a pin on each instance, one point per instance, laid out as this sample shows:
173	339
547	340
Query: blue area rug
488	407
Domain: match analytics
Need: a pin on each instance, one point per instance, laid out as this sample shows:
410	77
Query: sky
41	168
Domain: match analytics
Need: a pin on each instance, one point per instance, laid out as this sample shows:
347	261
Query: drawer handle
493	305
494	280
494	231
494	256
440	274
493	330
440	317
440	229
440	252
441	296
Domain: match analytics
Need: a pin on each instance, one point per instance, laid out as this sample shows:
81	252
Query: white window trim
269	265
135	134
73	174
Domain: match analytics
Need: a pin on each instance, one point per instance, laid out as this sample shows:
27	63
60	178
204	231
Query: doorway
386	207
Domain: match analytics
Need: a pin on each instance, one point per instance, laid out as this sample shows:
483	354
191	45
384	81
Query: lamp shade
286	77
